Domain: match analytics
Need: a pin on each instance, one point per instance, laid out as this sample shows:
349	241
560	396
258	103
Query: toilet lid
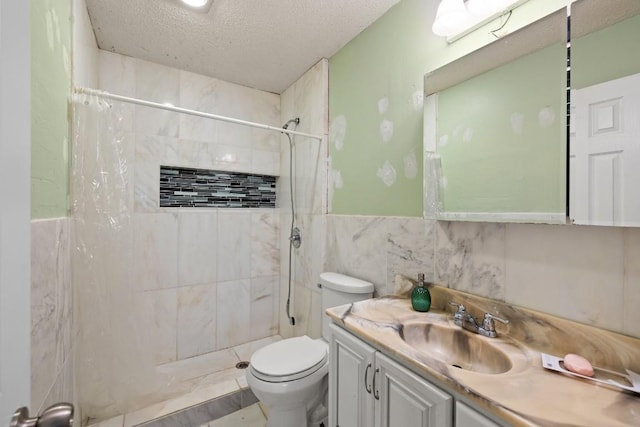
289	357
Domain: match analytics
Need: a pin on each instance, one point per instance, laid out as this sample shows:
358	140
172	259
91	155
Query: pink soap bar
578	364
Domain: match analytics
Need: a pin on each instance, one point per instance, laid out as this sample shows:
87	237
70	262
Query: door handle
376	394
21	418
58	415
366	380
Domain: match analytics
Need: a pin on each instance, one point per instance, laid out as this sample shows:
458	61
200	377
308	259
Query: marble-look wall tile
316	315
146	193
234	245
208	155
233	134
378	248
311	99
62	390
150	153
410	245
470	257
283	238
198	92
219	97
283	185
310	175
285	328
237	102
587	274
307	310
230	157
155	251
266	109
265	162
160	84
309	257
233	315
265	245
200	367
54	394
51	307
631	298
196	320
353	248
194	154
159	311
575	272
118	75
307	99
263	307
126	158
197	247
301	310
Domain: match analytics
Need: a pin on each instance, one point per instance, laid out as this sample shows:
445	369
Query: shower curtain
114	366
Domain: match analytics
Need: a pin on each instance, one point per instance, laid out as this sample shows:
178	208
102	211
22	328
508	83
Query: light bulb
484	8
195	3
452	17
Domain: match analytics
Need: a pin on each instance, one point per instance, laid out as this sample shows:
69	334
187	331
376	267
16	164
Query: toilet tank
338	289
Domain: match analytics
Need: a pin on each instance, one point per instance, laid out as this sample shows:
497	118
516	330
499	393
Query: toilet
290	376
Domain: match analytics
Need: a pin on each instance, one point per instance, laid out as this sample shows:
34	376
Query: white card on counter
602	376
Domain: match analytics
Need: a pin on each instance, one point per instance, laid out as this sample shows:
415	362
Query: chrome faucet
467	321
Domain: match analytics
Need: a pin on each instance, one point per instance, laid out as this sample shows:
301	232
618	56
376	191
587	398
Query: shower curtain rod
103	94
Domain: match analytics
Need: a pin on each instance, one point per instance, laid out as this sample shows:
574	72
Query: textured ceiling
264	44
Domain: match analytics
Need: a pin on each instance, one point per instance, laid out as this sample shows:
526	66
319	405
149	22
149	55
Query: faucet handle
461	308
460	313
488	324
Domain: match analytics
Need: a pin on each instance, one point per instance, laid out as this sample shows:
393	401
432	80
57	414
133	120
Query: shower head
296	121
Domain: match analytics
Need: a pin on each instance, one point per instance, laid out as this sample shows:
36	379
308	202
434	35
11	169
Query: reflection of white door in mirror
605	153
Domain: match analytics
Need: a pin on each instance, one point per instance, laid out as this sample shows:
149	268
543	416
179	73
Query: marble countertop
527	394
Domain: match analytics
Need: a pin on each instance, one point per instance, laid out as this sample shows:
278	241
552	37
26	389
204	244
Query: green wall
605	55
389	60
50	88
514	157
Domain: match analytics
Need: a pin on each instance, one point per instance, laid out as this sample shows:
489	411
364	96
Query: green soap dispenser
420	296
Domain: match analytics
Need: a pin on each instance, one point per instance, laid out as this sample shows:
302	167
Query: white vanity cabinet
367	388
468	417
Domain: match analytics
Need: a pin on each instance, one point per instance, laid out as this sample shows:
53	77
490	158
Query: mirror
604	136
495	130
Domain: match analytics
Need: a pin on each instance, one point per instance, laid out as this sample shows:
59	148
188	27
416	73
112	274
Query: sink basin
456	347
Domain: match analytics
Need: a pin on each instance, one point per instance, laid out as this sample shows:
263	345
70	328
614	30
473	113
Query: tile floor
251	416
205	378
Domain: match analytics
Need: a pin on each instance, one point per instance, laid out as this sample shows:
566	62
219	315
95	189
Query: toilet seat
289	359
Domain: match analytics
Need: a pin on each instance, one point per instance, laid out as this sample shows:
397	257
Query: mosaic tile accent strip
202	413
202	188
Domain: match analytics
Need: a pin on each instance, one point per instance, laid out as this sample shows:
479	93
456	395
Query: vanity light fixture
457	18
198	5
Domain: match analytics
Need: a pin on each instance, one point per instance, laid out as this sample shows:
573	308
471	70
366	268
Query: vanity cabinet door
468	417
405	399
351	370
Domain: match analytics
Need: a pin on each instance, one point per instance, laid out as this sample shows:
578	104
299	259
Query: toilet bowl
290	376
